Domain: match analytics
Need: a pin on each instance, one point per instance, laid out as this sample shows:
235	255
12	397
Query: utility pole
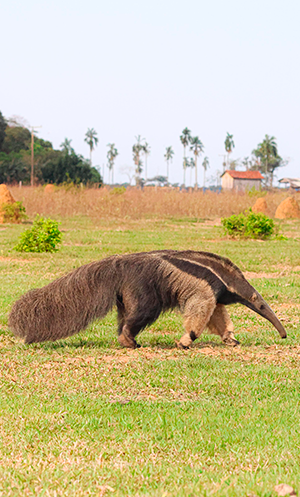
32	152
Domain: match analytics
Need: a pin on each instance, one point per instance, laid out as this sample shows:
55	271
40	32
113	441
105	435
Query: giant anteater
142	286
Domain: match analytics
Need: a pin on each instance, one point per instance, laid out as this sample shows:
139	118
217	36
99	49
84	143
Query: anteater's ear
253	298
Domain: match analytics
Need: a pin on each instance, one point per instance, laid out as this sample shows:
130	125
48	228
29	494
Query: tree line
25	157
20	150
265	158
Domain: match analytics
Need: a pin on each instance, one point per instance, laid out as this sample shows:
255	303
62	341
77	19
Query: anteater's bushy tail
67	305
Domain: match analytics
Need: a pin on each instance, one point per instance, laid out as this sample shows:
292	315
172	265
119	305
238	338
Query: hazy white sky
128	67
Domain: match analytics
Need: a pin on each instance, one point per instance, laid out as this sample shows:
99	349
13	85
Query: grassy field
84	417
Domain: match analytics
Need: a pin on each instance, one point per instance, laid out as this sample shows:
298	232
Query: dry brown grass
137	204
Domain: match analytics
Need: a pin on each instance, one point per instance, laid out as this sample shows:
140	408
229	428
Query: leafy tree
136	151
13	168
162	180
95	176
146	150
16	166
17	138
66	146
49	165
233	164
205	165
111	157
269	159
197	147
168	157
185	139
69	168
246	163
92	140
229	145
43	143
3	125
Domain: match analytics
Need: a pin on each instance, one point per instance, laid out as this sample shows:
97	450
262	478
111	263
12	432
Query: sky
152	68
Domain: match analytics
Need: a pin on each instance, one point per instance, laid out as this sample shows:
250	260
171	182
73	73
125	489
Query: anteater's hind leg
134	314
221	324
126	338
197	314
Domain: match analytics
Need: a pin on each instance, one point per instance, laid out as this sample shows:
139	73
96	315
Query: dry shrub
137	204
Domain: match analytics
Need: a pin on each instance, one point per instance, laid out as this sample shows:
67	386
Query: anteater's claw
231	342
183	347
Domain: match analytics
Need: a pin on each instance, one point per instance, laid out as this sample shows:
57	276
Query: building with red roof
241	180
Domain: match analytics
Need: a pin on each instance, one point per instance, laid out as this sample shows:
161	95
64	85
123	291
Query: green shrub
249	225
252	192
118	190
42	237
13	213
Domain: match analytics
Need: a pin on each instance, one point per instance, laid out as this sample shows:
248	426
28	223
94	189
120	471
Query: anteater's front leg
197	314
221	324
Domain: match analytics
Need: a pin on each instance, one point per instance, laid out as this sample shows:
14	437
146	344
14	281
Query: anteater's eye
262	307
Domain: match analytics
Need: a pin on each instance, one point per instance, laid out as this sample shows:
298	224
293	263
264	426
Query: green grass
84	417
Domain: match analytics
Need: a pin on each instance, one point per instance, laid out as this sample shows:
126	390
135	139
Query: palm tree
136	150
267	152
111	156
191	164
205	165
229	145
185	139
169	157
197	147
92	140
146	150
66	146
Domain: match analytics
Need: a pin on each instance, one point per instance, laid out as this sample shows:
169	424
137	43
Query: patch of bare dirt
282	270
292	234
12	259
213	222
251	275
146	353
273	354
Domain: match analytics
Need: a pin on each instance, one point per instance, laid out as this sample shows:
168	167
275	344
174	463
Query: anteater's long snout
262	308
267	313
